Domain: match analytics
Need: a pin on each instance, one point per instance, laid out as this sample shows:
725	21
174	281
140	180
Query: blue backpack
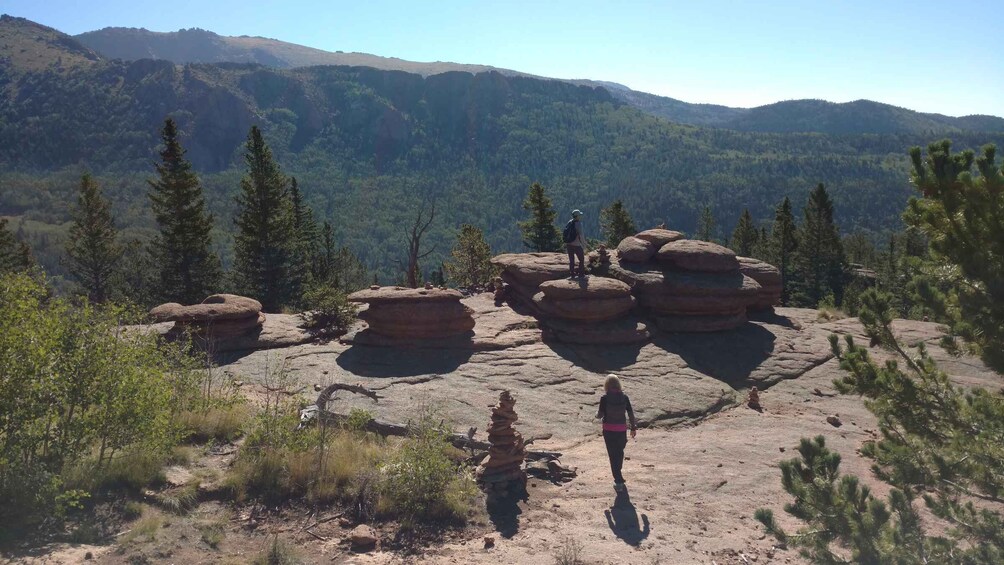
570	234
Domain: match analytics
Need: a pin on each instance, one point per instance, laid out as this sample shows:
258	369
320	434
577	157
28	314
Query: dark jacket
615	409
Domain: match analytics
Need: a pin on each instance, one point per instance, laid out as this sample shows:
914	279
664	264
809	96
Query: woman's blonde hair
612	383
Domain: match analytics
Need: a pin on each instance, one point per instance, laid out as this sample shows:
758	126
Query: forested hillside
369	146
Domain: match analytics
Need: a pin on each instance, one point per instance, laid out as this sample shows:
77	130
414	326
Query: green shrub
422	481
329	313
80	395
278	552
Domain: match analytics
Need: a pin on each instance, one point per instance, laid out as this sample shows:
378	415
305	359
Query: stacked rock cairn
218	317
504	464
414	313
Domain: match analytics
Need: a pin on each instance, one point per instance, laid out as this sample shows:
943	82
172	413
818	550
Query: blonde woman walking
615	410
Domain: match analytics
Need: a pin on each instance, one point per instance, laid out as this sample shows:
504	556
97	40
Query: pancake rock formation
588	310
769	278
220	316
414	313
525	272
689	285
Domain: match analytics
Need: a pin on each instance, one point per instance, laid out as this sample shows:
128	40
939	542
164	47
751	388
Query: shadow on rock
729	356
623	520
598	358
504	511
368	361
771	317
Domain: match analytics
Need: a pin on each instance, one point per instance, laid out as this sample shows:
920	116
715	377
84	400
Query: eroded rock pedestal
504	464
769	278
218	317
686	285
525	272
414	313
588	310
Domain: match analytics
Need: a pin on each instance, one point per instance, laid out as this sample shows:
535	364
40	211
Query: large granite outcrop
414	313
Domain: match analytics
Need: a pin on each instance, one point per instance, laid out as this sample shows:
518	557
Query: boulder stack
769	278
504	463
588	310
219	316
687	285
525	272
414	313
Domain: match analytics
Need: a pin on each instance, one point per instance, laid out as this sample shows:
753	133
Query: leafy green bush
79	394
329	312
422	481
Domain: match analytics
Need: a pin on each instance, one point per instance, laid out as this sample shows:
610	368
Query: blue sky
924	55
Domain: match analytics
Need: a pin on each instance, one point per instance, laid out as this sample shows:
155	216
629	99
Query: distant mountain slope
859	116
202	46
28	46
862	116
368	145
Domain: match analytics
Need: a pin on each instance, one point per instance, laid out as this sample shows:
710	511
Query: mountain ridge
804	115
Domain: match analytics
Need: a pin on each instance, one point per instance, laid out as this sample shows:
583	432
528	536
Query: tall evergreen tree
189	270
15	255
265	244
305	228
745	236
471	265
616	224
93	249
539	232
819	261
784	243
706	225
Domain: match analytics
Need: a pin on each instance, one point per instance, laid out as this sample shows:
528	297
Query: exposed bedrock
408	313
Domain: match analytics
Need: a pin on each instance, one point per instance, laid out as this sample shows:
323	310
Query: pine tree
745	237
15	255
189	270
306	235
963	217
819	261
706	226
92	247
616	224
265	244
471	265
539	232
938	440
784	243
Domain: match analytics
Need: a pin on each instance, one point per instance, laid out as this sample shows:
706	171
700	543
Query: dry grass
223	424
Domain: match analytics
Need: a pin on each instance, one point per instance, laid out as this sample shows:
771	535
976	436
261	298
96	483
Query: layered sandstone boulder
659	237
525	272
636	250
585	299
690	286
218	316
769	278
414	313
701	256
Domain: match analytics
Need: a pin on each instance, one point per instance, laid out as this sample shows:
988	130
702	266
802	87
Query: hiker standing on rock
615	410
575	244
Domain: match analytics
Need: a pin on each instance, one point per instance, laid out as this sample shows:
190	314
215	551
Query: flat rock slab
214	308
694	255
532	269
393	294
673	379
659	237
587	310
587	287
